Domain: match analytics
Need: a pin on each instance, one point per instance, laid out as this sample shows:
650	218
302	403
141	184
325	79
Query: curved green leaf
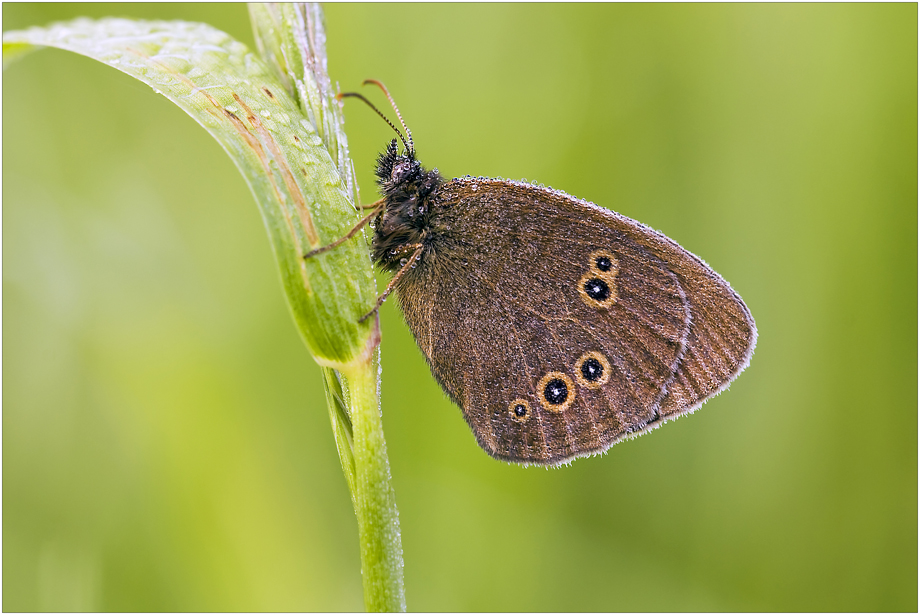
291	38
283	128
304	200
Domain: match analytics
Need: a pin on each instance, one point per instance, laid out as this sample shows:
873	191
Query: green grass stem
278	119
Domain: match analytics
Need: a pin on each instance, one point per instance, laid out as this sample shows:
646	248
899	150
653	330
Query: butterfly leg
409	263
377	207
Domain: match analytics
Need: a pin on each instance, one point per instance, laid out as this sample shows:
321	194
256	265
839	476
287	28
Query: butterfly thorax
409	191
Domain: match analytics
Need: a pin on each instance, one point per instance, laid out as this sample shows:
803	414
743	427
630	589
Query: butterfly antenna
395	108
342	95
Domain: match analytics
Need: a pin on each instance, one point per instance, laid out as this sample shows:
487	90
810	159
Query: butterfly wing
560	328
722	330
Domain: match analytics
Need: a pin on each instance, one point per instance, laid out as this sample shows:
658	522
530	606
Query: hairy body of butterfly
558	327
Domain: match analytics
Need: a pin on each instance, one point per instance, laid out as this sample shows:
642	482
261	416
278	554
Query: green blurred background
166	444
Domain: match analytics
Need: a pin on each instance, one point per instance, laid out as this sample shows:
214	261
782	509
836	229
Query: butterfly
558	327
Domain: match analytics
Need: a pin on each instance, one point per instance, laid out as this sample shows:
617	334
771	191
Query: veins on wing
529	375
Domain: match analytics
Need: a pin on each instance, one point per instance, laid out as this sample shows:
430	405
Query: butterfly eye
400	171
592	370
519	410
556	391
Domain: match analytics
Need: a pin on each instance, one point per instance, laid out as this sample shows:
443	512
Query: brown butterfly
558	327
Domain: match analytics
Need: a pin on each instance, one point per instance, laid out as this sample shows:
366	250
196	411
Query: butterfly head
394	168
408	189
402	176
